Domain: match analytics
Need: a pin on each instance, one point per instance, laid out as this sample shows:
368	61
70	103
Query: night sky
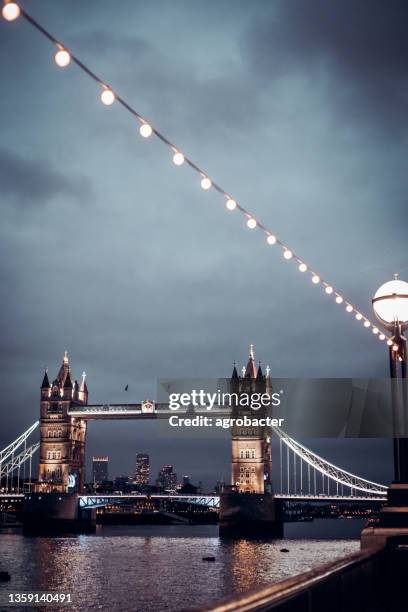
111	252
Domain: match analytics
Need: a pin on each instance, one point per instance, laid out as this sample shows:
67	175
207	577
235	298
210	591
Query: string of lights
63	57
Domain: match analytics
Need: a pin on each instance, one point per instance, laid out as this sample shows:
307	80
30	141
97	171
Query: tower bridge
255	490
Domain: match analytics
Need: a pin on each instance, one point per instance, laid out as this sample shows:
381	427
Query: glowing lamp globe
62	58
205	183
178	159
390	303
145	130
11	11
107	97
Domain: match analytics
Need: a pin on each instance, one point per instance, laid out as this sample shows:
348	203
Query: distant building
186	480
121	483
100	467
167	479
142	474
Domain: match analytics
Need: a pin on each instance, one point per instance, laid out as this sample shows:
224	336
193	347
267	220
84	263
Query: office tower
142	473
167	479
100	469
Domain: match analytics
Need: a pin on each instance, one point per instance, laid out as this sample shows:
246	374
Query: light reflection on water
152	568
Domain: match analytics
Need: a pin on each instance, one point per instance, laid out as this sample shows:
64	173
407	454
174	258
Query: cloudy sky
109	251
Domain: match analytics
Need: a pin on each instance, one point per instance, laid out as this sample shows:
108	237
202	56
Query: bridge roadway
138	411
212	501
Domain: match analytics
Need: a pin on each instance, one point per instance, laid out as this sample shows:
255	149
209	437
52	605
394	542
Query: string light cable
63	58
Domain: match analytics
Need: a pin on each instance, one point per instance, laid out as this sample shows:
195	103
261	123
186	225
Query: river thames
155	568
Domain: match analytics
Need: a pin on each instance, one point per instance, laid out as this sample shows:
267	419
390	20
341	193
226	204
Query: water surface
160	568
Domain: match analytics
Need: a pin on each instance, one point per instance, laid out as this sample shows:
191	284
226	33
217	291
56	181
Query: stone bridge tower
62	436
248	505
251	457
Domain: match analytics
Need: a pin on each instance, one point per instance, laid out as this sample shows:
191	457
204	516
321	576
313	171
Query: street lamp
390	304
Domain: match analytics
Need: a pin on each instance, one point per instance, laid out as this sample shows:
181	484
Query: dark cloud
29	182
356	53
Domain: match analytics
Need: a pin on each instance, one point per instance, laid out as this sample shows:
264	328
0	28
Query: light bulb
206	183
395	348
382	336
367	323
389	342
271	239
315	279
178	159
145	130
349	308
302	267
329	290
107	97
231	204
339	299
11	11
287	254
62	58
251	223
375	330
359	316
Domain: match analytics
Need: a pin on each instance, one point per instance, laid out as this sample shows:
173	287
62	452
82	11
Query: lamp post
390	304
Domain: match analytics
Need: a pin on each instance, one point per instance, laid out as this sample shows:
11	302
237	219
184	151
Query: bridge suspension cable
10	463
8	470
63	58
328	471
11	448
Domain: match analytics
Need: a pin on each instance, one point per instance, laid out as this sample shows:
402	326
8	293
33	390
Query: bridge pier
250	514
56	513
393	518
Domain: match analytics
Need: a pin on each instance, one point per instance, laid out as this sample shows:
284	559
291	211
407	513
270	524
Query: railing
353	583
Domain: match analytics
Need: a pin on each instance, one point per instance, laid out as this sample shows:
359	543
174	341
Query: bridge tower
251	461
248	506
62	436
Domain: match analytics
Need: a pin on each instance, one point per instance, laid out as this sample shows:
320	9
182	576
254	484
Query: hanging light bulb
302	267
367	324
382	336
11	11
375	330
349	308
251	223
271	239
315	279
359	316
395	347
231	204
339	299
206	183
107	97
62	58
178	158
329	290
145	130
389	342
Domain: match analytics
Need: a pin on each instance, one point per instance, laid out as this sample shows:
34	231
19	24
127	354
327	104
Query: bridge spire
250	371
64	369
83	390
45	383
